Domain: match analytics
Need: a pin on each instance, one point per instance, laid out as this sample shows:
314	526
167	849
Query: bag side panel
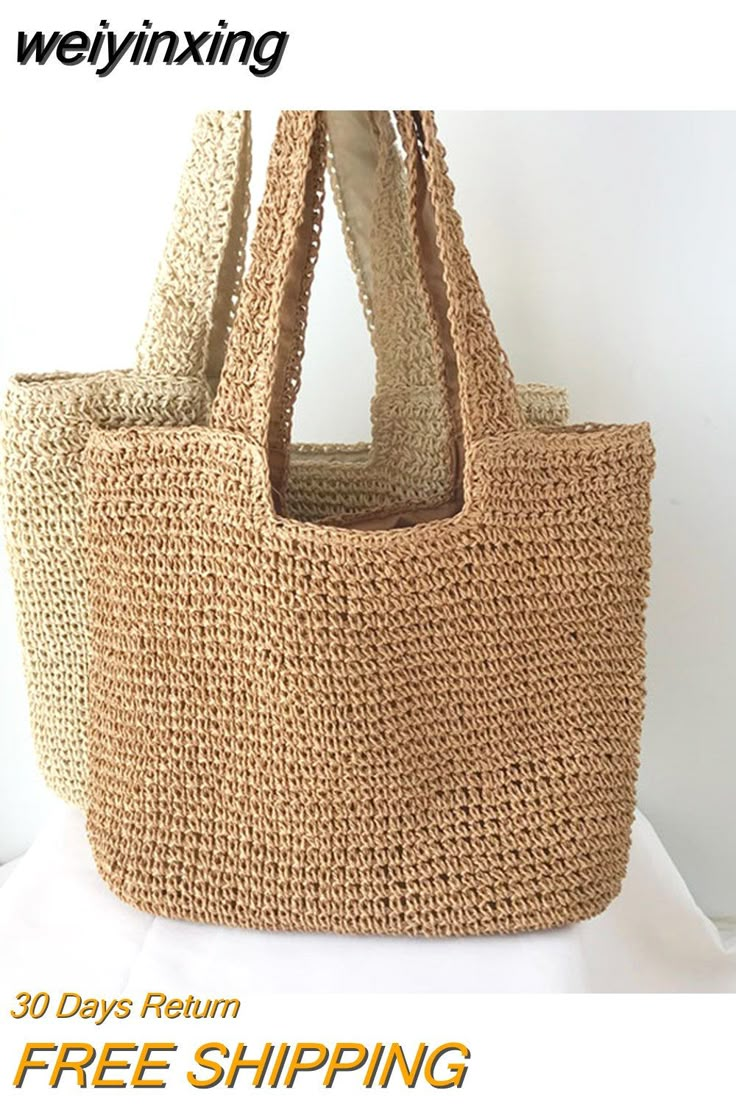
46	422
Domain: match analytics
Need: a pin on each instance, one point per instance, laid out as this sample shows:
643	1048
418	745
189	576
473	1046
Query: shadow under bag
430	728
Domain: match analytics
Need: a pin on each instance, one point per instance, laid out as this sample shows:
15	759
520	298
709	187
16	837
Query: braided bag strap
200	274
268	323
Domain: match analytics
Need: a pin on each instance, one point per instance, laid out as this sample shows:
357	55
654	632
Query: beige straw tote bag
47	418
425	724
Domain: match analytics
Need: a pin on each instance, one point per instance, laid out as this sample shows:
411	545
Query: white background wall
607	247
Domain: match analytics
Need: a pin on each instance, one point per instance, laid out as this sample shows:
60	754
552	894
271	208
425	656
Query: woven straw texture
431	729
47	418
410	455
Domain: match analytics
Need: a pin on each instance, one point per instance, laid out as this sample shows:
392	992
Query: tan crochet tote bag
47	418
431	728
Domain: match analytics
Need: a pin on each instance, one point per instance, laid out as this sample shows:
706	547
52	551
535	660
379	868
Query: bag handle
478	367
353	163
409	411
201	273
269	322
199	278
261	372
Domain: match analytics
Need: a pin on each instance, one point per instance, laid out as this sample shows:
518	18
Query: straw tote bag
428	728
47	418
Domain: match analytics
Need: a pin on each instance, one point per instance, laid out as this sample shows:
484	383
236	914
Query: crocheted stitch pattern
430	730
409	457
47	419
425	730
